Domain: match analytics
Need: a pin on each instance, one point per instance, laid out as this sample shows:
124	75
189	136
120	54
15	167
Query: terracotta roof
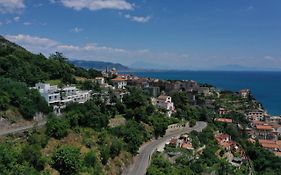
270	146
227	144
263	141
224	120
264	127
119	79
221	137
187	145
278	142
277	154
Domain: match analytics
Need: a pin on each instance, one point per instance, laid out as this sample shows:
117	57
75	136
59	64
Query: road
142	161
21	129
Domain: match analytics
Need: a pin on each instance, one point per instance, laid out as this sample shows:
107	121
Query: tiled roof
270	146
221	137
263	141
224	120
264	127
187	145
119	79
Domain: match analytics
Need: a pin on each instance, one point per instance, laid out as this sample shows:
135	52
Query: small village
261	127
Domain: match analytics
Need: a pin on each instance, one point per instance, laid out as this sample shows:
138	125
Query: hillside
21	65
99	65
21	69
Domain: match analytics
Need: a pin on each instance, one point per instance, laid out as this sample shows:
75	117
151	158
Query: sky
160	34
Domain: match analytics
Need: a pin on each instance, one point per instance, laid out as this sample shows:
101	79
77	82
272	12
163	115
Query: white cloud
141	19
11	6
77	30
32	41
16	19
27	23
92	51
96	4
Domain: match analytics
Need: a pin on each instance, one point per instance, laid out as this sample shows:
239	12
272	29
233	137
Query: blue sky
171	34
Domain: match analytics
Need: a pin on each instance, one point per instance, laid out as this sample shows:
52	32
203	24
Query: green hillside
21	65
20	69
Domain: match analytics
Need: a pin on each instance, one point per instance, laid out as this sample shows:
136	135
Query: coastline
257	82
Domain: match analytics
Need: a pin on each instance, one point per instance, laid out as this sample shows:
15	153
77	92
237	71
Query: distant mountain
99	65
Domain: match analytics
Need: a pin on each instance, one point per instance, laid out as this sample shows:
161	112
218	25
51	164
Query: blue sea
265	86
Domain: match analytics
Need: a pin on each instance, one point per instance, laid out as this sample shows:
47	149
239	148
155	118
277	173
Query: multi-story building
119	82
244	93
60	97
100	80
165	102
256	115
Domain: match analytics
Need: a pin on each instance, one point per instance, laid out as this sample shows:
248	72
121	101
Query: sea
265	86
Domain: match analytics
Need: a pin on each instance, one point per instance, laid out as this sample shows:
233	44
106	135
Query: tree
105	154
67	160
57	127
115	148
32	155
192	122
90	159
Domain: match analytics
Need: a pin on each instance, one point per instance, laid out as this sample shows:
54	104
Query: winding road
21	128
142	161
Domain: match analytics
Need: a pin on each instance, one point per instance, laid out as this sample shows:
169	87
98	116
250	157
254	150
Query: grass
53	82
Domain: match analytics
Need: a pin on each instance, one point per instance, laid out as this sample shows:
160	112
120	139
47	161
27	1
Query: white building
256	115
119	82
59	98
165	102
50	93
100	80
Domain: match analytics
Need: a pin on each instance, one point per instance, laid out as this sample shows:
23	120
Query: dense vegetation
20	69
81	141
17	98
19	64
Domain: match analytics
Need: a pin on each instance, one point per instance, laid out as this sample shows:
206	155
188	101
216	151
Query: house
58	98
165	102
222	111
244	93
274	119
265	131
72	94
223	120
222	138
110	73
120	93
187	145
119	82
270	145
204	90
50	93
100	80
257	115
